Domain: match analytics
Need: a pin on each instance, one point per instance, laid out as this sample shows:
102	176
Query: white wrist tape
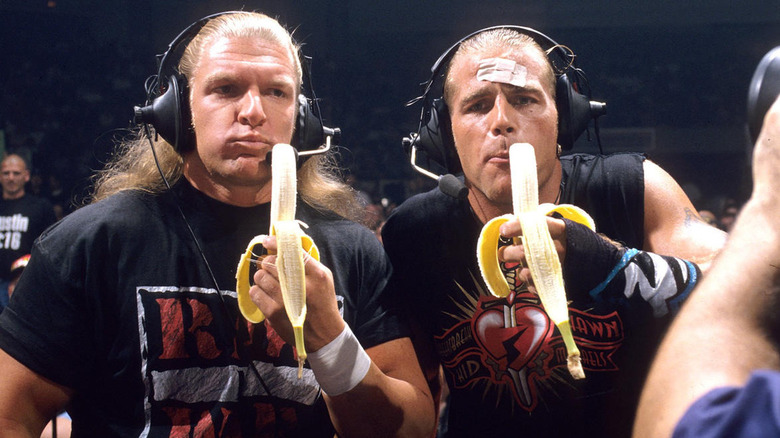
341	364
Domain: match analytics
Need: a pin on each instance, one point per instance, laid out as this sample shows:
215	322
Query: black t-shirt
503	358
21	222
117	304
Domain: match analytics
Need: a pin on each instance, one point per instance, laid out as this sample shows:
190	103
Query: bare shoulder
672	223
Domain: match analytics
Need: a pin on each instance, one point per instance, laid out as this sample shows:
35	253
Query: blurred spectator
58	196
36	184
728	216
16	271
23	217
375	218
709	217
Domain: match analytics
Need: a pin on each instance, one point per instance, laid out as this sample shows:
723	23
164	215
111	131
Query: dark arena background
674	75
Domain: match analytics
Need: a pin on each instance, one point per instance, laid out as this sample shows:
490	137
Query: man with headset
503	360
125	313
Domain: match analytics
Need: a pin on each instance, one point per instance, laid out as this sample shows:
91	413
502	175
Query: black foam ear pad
169	114
435	137
309	133
573	112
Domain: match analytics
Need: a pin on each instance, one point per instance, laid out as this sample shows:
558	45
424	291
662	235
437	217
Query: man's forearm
390	402
391	408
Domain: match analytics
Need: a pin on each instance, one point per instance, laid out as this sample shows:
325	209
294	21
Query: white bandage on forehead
502	70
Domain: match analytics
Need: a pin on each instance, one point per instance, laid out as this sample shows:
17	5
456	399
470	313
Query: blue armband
662	281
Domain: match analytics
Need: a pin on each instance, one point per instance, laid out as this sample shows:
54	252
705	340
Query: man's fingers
512	254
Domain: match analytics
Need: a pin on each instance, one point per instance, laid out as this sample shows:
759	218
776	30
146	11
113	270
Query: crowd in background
63	107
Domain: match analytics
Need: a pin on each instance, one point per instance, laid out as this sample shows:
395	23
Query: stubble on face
487	117
243	102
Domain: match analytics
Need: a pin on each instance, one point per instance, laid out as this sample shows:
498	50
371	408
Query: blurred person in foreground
717	372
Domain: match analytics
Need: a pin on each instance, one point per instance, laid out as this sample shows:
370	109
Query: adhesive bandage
502	70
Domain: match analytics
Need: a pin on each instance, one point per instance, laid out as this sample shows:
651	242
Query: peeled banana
292	244
540	253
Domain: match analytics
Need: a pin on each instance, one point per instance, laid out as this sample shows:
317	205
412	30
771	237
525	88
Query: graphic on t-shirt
510	344
197	362
11	230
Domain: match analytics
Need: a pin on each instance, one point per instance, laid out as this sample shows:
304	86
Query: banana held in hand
540	253
291	243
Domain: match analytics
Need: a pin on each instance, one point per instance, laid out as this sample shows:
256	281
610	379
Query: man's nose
251	109
502	122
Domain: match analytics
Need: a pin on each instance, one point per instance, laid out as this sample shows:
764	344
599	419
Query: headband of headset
167	106
575	109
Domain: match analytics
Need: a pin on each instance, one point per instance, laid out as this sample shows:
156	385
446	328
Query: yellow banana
291	242
540	253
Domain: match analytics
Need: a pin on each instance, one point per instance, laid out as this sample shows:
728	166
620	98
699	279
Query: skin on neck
485	209
241	196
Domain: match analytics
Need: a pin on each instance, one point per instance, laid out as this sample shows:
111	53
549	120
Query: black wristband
589	259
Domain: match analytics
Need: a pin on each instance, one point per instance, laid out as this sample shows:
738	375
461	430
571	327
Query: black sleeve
45	325
361	270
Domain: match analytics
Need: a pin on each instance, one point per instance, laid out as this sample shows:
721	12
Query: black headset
764	89
434	133
167	105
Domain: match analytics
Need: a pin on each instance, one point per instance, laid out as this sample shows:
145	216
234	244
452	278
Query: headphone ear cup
309	133
169	113
574	112
435	138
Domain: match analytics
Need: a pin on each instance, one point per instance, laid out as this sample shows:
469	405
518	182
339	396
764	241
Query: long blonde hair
133	167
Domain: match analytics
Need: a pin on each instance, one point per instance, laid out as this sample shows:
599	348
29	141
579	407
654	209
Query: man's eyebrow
476	95
274	81
218	77
485	92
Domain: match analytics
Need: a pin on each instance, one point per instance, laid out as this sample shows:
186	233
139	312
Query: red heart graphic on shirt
512	347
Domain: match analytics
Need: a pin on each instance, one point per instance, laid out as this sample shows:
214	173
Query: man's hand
515	253
323	321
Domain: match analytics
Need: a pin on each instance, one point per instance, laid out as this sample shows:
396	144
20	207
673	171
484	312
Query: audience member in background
23	217
709	217
717	372
59	197
16	271
728	216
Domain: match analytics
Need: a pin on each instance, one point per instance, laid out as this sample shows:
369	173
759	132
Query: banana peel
541	256
292	244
